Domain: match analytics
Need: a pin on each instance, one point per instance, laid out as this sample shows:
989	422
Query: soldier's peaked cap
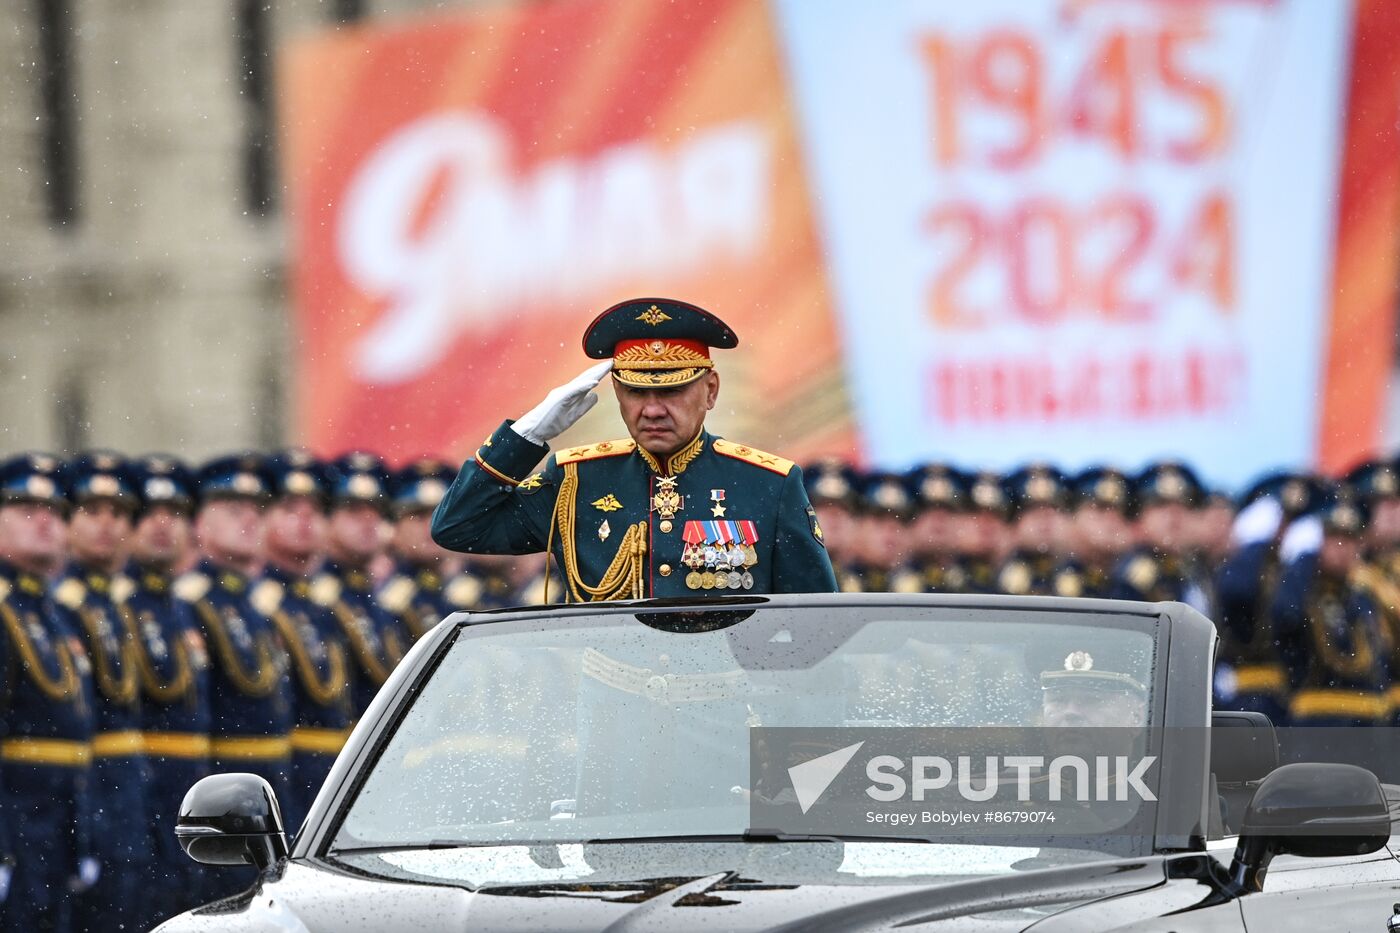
657	342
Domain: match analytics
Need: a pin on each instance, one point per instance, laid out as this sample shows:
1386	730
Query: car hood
312	897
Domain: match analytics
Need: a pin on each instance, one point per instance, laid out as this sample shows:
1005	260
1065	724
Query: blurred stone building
142	276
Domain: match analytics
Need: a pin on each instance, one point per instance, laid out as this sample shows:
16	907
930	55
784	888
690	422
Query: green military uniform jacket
717	517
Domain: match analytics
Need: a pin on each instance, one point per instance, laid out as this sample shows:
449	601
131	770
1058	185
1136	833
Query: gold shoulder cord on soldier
57	690
167	692
119	688
624	577
326	591
192	588
267	599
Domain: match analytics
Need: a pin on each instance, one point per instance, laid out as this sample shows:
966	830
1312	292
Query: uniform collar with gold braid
676	462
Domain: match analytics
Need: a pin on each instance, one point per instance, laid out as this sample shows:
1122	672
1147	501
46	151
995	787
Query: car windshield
627	730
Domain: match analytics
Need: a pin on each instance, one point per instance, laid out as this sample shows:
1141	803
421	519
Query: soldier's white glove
89	870
6	873
1258	521
562	407
1302	537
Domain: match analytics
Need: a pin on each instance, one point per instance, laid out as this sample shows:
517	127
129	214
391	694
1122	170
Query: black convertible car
593	768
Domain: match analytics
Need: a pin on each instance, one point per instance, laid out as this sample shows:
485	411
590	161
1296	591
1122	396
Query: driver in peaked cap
670	511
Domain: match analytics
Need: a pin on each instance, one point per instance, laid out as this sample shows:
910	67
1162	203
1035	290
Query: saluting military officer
250	711
294	540
1160	568
421	590
173	670
1329	629
46	718
670	511
377	638
1040	498
1249	673
1376	484
88	593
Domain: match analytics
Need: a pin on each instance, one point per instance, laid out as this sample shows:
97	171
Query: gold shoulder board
397	594
325	590
594	451
1142	572
759	458
1015	578
1067	583
4	590
464	592
122	588
267	597
191	587
907	582
70	593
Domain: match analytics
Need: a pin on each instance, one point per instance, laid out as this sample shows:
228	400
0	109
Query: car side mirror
232	819
1313	810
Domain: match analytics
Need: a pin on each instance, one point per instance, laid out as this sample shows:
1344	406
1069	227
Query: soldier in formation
158	622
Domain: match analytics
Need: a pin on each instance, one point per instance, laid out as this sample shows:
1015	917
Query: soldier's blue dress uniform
46	725
885	505
934	487
320	683
375	636
319	673
714	516
1092	575
1037	571
87	598
417	591
250	711
988	502
1146	573
1329	634
1376	483
172	667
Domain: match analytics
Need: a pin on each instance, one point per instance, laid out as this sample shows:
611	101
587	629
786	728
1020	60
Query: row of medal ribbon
719	554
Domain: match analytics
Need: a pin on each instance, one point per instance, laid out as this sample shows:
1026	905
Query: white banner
1078	230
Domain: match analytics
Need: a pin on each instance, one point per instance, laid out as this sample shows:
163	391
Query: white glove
89	869
1257	522
562	407
1302	537
6	873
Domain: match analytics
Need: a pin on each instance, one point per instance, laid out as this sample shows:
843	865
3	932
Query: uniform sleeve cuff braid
508	457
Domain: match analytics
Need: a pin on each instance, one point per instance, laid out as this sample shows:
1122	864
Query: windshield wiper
759	836
441	844
753	835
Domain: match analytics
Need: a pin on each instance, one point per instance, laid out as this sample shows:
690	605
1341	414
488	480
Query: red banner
468	194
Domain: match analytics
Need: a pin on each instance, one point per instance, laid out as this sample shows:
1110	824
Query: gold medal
707	580
693	580
750	555
721	580
667	502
